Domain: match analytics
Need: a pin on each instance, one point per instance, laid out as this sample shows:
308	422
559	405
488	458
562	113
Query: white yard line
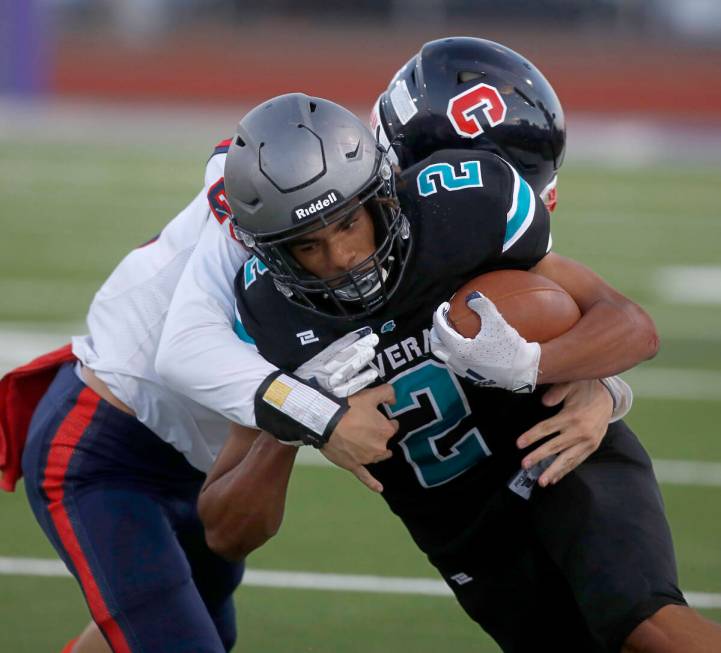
687	284
668	472
309	581
687	472
18	346
674	383
346	583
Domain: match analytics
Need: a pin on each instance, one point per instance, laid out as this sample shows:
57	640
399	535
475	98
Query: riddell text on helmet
316	205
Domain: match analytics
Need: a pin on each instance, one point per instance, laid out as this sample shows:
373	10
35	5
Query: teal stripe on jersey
241	332
522	202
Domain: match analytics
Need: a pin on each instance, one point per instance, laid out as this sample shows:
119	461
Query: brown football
538	308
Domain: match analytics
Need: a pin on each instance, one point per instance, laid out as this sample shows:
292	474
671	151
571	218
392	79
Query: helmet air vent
313	107
468	76
239	141
353	153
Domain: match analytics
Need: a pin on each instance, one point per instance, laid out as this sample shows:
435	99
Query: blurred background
643	58
230	50
108	112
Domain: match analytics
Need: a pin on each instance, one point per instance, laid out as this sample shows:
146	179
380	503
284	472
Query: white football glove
498	357
339	368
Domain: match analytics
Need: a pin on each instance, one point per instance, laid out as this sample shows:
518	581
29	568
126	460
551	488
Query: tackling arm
613	334
242	500
199	354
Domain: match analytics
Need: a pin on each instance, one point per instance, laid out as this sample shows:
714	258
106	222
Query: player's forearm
209	364
199	355
243	507
610	338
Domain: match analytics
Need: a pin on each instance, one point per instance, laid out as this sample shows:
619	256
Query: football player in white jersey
158	378
115	458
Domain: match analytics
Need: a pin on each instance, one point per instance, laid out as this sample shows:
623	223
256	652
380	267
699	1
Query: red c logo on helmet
461	106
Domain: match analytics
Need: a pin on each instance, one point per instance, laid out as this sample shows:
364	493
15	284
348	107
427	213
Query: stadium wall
592	72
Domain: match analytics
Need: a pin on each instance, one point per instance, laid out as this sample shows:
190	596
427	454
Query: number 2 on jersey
439	420
470	177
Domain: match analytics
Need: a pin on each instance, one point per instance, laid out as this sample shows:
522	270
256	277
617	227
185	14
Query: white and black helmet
298	164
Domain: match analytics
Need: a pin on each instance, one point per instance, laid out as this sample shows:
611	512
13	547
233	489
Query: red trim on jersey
69	646
20	391
154	239
225	143
62	448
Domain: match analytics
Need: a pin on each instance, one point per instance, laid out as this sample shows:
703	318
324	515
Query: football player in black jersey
341	243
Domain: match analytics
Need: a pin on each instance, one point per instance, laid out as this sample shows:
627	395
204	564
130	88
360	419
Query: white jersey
196	257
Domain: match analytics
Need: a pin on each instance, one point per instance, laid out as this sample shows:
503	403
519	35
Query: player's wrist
297	412
621	395
526	367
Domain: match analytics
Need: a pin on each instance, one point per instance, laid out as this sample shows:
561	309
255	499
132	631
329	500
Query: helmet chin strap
368	285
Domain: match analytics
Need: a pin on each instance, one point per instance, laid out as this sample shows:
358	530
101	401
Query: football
538	308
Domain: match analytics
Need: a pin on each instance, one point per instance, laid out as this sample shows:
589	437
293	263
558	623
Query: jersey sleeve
200	355
527	234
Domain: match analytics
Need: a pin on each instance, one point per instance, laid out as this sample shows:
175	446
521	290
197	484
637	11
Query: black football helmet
298	164
471	93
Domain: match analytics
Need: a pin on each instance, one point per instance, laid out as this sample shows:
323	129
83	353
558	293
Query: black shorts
575	568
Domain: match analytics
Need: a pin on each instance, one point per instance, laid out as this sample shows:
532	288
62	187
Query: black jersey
469	213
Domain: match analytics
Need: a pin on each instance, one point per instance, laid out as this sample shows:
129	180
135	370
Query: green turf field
69	213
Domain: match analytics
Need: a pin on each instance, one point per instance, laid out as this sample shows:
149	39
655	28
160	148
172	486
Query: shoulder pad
215	167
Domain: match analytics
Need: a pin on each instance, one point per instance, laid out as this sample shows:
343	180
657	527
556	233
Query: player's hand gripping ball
490	330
